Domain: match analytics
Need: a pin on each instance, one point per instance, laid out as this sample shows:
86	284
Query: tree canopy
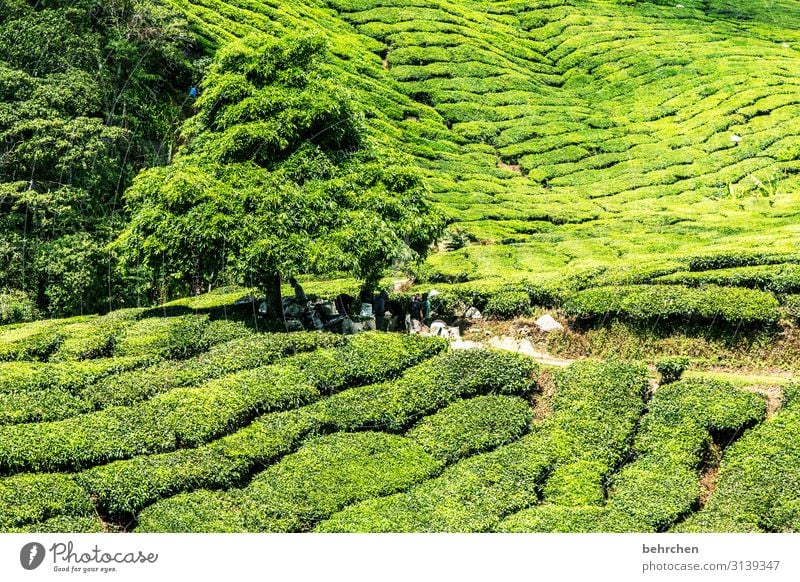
90	92
279	175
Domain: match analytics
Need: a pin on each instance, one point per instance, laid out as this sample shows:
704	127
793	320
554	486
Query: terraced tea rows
378	432
570	132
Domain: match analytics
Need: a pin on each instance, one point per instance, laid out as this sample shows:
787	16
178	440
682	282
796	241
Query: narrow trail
509	344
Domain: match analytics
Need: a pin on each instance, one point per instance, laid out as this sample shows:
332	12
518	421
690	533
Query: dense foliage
90	93
279	177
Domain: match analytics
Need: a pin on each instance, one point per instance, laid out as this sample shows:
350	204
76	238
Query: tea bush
127	486
17	307
472	426
674	304
672	368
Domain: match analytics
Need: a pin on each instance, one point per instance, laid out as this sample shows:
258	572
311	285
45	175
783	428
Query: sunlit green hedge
472	426
425	389
168	337
470	496
17	307
325	475
226	358
675	303
17	377
662	484
758	487
29	498
775	278
127	486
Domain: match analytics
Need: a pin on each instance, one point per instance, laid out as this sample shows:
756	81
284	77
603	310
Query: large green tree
90	92
279	176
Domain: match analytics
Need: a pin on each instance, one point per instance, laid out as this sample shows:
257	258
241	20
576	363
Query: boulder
547	323
473	313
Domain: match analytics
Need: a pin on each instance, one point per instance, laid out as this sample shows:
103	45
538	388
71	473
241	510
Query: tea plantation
630	167
569	134
199	423
576	144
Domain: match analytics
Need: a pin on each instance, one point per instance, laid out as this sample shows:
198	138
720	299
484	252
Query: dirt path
510	344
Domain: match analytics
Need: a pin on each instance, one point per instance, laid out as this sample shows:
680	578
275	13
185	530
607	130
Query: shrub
17	307
759	480
167	337
471	496
595	408
199	511
662	485
675	303
594	412
127	486
739	259
367	358
190	416
426	388
38	406
251	351
62	524
328	473
578	483
31	498
94	338
561	519
17	377
672	368
472	426
508	304
31	341
775	278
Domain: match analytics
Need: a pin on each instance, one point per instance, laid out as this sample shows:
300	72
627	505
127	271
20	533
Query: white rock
679	6
547	323
526	347
473	313
736	138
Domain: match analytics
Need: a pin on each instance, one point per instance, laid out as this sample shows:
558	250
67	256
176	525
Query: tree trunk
274	298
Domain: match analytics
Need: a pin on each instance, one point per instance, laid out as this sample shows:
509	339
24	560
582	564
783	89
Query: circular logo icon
32	555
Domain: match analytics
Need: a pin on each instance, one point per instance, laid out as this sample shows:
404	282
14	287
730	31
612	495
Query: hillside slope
571	132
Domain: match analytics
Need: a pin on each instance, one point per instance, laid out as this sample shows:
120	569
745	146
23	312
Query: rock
547	323
526	347
473	313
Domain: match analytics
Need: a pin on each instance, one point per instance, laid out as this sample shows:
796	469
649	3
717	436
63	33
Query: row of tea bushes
661	484
245	353
72	377
29	497
470	496
475	494
675	303
758	487
190	416
779	279
472	426
127	486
